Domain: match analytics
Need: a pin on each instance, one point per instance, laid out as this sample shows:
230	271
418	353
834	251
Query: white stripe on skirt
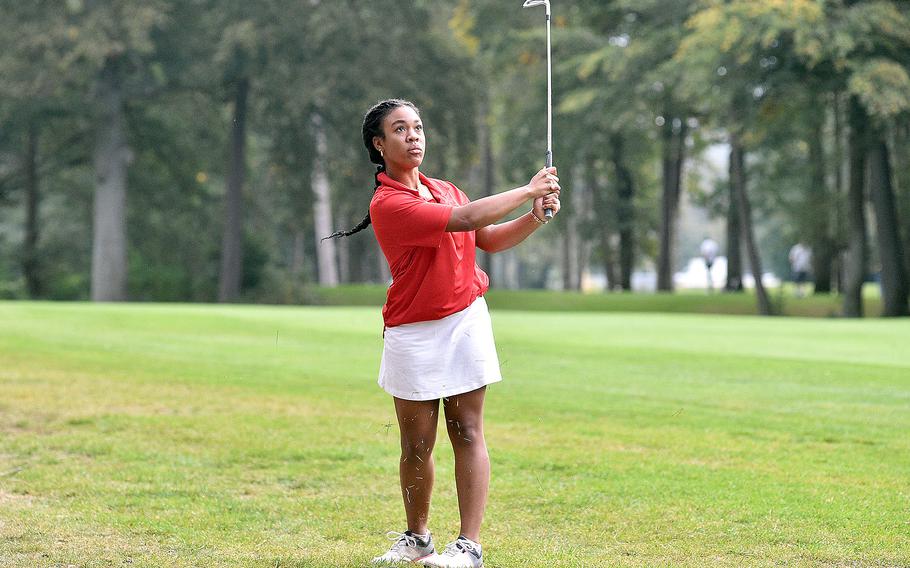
439	358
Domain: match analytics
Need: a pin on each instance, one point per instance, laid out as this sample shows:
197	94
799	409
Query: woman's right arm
486	211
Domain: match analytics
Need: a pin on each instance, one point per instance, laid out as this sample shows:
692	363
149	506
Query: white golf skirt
439	358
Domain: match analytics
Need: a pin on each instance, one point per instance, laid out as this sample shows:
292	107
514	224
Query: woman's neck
409	177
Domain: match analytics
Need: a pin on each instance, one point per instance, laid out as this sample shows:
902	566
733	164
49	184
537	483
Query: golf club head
532	3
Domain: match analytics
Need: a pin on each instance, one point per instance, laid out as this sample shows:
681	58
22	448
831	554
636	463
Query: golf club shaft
548	213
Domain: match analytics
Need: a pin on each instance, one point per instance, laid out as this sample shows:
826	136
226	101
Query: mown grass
168	435
690	301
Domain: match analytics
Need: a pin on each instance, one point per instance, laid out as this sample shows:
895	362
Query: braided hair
372	127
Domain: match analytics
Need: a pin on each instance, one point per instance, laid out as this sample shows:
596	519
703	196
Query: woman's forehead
404	113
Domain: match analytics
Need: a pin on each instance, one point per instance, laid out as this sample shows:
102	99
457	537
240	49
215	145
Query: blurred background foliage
197	150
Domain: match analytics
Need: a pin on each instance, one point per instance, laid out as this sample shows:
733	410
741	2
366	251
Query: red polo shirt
433	271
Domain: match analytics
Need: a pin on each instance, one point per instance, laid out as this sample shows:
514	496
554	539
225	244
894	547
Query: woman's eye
419	127
399	129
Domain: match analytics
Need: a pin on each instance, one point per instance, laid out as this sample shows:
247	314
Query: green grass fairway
185	436
682	302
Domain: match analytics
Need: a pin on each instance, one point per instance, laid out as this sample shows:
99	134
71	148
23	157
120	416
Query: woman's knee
417	447
464	432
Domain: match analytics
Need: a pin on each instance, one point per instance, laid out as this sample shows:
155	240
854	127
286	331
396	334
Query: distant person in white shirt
709	250
800	265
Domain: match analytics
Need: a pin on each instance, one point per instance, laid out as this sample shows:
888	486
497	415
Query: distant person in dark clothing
709	250
800	264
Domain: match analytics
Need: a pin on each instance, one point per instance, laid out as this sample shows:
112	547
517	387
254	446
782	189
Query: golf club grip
548	213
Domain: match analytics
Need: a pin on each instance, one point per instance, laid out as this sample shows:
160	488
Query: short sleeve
403	219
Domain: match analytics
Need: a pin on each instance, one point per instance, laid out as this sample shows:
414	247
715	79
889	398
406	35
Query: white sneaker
463	553
408	547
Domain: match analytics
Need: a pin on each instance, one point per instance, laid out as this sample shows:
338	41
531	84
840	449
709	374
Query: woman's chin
408	162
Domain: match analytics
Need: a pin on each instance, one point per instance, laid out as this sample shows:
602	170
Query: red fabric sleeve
404	219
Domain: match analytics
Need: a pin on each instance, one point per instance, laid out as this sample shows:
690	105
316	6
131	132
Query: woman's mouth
415	151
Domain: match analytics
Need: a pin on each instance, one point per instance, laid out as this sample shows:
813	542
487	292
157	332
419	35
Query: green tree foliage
187	128
775	49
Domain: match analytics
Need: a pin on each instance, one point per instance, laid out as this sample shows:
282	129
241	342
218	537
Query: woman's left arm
497	238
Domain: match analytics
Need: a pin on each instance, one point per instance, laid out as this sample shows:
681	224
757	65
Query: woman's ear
377	143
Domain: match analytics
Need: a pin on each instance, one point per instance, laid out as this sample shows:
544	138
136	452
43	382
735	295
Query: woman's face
404	142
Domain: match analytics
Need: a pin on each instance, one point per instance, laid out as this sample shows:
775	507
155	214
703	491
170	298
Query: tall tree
891	251
116	38
33	39
820	201
625	185
855	261
720	55
30	267
241	35
111	157
744	208
322	207
734	281
875	59
229	280
673	137
632	59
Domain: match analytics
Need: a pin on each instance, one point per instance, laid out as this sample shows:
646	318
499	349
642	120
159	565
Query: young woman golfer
438	340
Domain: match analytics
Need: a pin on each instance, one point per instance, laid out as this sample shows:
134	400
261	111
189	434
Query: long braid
372	127
365	222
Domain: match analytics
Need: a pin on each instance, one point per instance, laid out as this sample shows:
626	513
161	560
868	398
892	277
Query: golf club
548	213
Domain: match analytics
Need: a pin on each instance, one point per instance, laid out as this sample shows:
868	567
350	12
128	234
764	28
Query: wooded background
197	150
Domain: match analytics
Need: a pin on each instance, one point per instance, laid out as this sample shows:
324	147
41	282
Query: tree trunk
570	217
818	206
841	172
232	240
578	200
604	236
891	250
298	254
357	264
899	142
734	234
511	270
737	165
343	252
365	262
30	258
674	148
855	258
111	160
326	251
565	260
609	260
625	211
487	167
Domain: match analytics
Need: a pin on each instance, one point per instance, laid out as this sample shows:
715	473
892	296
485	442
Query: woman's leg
417	422
464	421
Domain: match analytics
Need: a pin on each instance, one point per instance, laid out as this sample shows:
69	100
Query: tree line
198	151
